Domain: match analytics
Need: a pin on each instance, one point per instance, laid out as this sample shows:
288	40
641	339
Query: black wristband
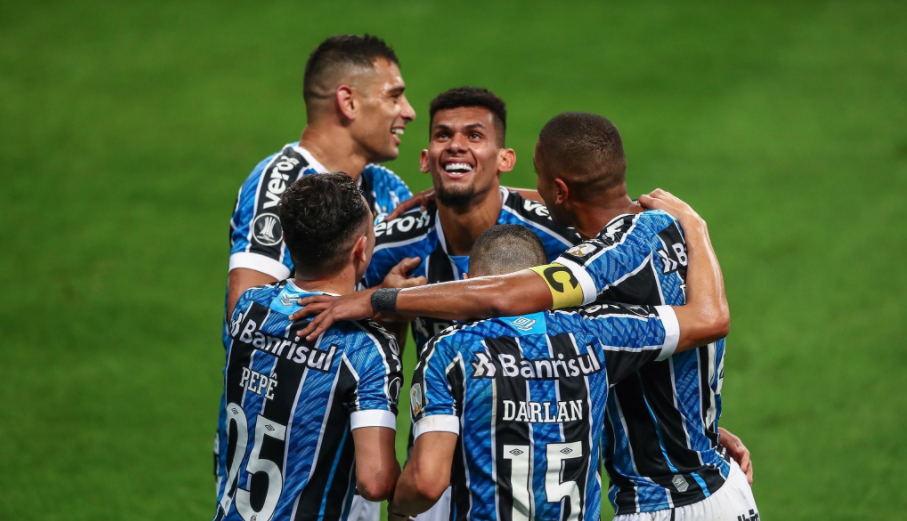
385	300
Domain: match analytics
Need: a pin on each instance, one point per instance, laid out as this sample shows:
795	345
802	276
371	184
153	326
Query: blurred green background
126	129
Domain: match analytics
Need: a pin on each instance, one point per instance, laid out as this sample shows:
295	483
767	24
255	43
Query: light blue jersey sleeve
432	394
629	336
623	248
375	365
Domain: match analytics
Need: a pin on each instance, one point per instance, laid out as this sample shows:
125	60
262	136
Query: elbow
721	323
430	485
430	490
377	487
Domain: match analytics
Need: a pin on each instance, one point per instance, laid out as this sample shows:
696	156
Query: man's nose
408	113
457	143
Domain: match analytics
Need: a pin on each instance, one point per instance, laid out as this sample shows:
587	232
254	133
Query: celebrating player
517	405
300	416
663	449
356	111
465	156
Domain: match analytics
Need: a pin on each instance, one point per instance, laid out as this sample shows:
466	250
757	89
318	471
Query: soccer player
466	156
517	405
356	111
664	451
308	422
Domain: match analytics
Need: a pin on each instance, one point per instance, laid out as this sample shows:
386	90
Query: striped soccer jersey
527	396
662	427
419	234
285	448
255	233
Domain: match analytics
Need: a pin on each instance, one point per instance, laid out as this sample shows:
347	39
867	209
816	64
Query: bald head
585	150
505	248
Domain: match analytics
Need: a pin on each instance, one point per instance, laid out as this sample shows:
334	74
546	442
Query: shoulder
409	228
383	175
368	336
534	215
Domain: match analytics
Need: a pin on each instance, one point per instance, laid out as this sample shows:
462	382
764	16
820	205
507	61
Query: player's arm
240	280
514	294
427	474
373	413
706	317
377	468
254	261
436	427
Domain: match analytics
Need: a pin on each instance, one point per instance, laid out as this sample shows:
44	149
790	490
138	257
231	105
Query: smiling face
464	155
384	112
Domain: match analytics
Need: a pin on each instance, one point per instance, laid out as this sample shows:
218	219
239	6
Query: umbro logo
266	229
288	299
524	323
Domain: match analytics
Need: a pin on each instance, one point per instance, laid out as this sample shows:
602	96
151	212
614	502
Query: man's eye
475	135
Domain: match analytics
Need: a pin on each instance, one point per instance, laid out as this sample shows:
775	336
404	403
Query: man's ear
423	161
563	191
346	102
359	253
506	160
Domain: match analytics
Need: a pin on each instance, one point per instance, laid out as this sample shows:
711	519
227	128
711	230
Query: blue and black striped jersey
663	449
255	232
284	444
419	234
527	396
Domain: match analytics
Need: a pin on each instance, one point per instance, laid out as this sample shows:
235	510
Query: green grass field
126	129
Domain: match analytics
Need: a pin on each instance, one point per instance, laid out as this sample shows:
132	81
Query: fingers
414	282
746	465
308	308
407	265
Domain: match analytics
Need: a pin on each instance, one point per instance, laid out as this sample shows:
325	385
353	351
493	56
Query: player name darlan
543	412
312	358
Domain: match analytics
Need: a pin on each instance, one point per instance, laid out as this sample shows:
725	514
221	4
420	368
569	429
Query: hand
398	277
659	199
355	306
421	199
737	451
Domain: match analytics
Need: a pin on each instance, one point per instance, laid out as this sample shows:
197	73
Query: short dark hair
321	215
340	51
586	150
506	248
472	97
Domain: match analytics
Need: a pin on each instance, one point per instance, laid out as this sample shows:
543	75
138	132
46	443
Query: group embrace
558	330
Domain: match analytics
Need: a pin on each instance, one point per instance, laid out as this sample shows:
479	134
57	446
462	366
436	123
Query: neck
342	283
463	225
333	147
591	217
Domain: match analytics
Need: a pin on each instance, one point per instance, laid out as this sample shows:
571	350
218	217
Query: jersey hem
260	263
585	281
373	418
672	331
437	423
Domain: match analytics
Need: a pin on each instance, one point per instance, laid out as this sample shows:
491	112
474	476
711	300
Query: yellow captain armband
565	289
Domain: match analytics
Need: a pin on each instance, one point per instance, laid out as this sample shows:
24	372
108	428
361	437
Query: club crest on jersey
415	398
680	484
266	229
393	390
581	250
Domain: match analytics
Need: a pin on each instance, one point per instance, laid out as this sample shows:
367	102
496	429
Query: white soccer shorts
733	502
